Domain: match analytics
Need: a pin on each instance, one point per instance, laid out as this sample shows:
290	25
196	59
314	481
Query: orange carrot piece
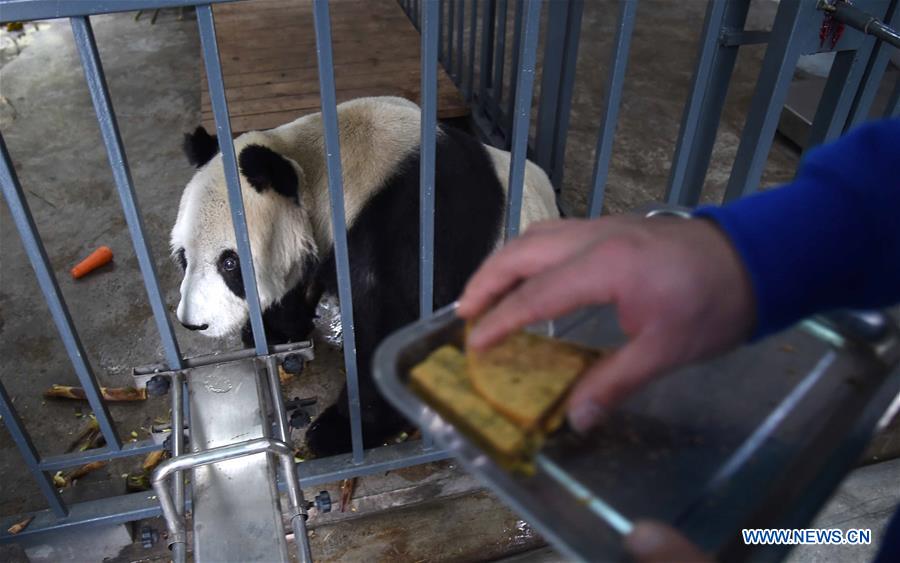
99	257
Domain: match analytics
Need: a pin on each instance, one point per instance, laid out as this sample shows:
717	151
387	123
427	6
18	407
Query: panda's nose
195	327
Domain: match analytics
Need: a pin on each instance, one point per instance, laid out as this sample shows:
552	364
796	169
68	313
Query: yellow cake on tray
506	399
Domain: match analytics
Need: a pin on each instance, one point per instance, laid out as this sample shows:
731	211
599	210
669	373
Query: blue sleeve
828	240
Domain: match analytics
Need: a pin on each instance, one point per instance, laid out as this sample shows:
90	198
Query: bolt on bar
229	160
34	248
322	23
616	80
524	87
29	453
109	128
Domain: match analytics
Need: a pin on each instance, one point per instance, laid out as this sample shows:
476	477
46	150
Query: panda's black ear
265	169
200	146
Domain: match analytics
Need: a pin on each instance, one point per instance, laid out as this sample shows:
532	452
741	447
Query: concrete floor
48	124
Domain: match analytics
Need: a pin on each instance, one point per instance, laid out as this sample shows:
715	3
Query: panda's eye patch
181	260
229	261
229	266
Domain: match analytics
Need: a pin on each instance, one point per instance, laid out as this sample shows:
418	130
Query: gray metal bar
872	77
792	20
440	30
137	506
616	79
487	48
460	20
174	521
451	34
892	109
514	69
551	75
428	148
289	468
322	22
27	10
844	80
232	178
473	28
566	87
522	117
221	358
177	394
34	248
699	122
499	50
109	128
64	461
29	454
430	25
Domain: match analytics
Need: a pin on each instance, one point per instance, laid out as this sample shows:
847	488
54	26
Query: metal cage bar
210	48
610	118
524	90
440	30
322	23
29	454
430	24
514	68
460	18
768	98
872	77
37	255
892	109
487	50
109	128
499	50
473	30
451	34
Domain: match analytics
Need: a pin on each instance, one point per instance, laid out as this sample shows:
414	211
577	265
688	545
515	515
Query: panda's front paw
329	434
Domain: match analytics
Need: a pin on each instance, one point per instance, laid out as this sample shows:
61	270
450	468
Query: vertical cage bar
37	255
892	109
514	69
872	78
177	398
703	109
430	24
460	20
109	128
451	33
610	117
470	71
232	178
499	51
782	53
844	80
551	75
487	48
322	21
29	454
524	90
566	86
440	30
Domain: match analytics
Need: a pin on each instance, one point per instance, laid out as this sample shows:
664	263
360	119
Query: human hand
680	291
654	542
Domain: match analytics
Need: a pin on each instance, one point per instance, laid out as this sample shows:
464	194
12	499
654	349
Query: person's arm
829	239
684	290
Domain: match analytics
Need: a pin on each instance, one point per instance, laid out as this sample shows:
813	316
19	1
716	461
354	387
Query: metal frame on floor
504	121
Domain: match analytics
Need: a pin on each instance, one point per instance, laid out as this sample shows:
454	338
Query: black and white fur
284	186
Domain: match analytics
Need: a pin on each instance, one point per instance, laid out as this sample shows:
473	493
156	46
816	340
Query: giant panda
284	186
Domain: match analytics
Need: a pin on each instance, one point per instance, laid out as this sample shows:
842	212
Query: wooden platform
268	57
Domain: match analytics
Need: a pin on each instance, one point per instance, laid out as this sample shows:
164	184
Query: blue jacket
829	239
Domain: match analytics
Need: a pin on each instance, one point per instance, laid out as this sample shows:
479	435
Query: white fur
376	134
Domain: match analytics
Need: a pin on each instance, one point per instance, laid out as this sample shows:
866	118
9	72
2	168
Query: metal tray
758	438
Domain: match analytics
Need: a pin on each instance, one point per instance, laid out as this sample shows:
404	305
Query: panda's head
203	241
